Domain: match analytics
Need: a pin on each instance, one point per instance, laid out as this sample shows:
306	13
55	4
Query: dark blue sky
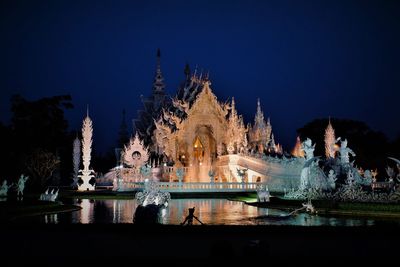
304	59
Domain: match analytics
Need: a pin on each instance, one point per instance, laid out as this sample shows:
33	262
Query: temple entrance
204	152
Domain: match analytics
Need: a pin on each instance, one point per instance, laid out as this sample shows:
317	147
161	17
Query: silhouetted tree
41	164
41	125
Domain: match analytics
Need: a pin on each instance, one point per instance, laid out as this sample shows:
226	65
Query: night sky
303	59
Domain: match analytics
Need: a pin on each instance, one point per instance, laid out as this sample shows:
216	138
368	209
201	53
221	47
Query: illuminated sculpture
52	196
135	154
308	149
135	164
263	193
4	188
332	179
330	141
345	151
398	168
86	174
152	195
297	151
76	160
21	185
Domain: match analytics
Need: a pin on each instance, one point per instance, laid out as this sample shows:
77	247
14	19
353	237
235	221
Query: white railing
195	187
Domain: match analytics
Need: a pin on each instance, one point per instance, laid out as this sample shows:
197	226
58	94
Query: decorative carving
86	174
135	154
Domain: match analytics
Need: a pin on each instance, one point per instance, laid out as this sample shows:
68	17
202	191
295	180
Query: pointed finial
158	53
87	110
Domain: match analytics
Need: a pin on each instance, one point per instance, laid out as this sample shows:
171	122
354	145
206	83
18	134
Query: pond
209	211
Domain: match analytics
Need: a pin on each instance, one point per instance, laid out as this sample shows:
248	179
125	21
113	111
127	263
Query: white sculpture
76	160
308	148
345	151
135	154
398	168
332	179
21	185
263	194
4	189
350	177
152	195
52	196
368	177
86	174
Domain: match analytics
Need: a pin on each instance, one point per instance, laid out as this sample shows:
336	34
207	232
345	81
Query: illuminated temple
205	138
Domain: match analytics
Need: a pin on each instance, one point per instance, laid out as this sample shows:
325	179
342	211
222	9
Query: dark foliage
36	125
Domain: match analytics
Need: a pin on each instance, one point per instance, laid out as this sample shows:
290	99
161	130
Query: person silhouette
189	218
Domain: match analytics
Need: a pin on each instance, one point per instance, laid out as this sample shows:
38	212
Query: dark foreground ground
130	245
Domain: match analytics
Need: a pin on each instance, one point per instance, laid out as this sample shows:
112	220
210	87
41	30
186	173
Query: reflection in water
86	213
51	218
209	211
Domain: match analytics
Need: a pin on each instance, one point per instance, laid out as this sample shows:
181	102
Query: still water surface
209	211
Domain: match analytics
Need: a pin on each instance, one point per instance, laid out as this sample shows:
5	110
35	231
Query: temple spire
158	84
259	119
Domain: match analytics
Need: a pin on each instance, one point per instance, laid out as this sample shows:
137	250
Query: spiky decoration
297	151
87	133
330	141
